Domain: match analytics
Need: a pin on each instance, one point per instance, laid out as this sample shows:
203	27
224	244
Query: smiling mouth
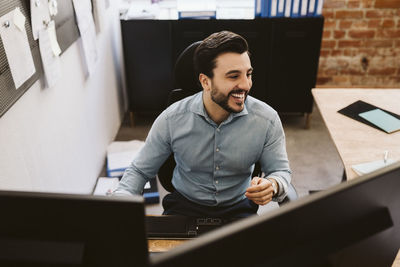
239	96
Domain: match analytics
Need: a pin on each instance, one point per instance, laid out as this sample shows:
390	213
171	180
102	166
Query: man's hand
260	191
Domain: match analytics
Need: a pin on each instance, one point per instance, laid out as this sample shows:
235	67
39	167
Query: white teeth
238	95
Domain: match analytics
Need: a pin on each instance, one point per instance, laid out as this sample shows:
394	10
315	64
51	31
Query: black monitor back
42	229
356	223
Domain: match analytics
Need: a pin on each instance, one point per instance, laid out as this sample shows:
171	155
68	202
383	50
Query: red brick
324	53
345	24
379	43
371	51
389	33
380	13
329	24
349	43
397	44
350	52
362	34
382	71
328	14
334	4
349	14
323	80
341	80
328	44
353	4
387	4
326	34
367	3
336	52
357	24
331	71
339	34
374	23
388	23
352	71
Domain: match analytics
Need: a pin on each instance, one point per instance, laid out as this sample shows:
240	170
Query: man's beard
223	101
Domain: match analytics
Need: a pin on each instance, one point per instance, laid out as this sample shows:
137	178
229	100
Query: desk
357	142
396	262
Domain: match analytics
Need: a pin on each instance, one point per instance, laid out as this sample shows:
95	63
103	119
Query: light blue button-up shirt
214	163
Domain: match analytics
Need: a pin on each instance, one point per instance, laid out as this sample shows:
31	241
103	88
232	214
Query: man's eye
233	77
249	74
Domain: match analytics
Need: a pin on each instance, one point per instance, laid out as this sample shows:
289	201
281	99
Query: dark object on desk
181	227
43	229
356	223
358	107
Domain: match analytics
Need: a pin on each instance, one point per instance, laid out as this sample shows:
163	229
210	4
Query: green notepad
383	120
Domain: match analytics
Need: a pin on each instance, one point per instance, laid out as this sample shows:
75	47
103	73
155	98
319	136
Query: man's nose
245	83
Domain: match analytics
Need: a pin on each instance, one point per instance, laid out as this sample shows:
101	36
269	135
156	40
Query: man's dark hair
210	48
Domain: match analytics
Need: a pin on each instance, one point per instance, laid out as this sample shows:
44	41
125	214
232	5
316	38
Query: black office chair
186	84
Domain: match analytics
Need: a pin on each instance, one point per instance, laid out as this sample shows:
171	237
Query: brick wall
361	44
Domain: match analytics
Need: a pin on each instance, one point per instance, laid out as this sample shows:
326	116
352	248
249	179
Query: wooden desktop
357	142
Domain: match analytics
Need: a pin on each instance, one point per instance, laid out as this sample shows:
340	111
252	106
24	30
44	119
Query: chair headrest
184	74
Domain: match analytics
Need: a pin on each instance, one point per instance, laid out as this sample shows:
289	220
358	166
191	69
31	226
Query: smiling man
216	136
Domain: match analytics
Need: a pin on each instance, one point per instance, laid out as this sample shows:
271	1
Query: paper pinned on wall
40	16
50	60
19	19
83	12
51	29
16	46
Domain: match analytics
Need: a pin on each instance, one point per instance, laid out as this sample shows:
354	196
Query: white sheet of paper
51	62
368	167
17	50
83	12
51	29
40	13
19	19
53	7
105	186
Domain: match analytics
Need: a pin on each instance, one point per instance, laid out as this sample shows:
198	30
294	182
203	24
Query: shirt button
217	149
217	168
216	182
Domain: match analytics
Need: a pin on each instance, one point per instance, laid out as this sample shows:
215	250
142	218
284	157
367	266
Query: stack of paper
120	155
105	186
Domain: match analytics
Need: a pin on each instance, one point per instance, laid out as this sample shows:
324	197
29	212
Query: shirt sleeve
147	162
274	161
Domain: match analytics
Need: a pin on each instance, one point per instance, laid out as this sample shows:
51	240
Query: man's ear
205	81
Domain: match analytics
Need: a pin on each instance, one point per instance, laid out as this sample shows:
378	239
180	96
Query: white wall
54	140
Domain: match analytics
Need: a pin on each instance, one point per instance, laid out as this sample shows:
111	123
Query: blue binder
258	8
311	8
281	8
295	12
318	7
303	8
288	8
272	8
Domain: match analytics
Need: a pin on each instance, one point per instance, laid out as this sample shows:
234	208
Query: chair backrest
185	84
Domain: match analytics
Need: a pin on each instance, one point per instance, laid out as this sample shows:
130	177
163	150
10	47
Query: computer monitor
356	223
46	229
